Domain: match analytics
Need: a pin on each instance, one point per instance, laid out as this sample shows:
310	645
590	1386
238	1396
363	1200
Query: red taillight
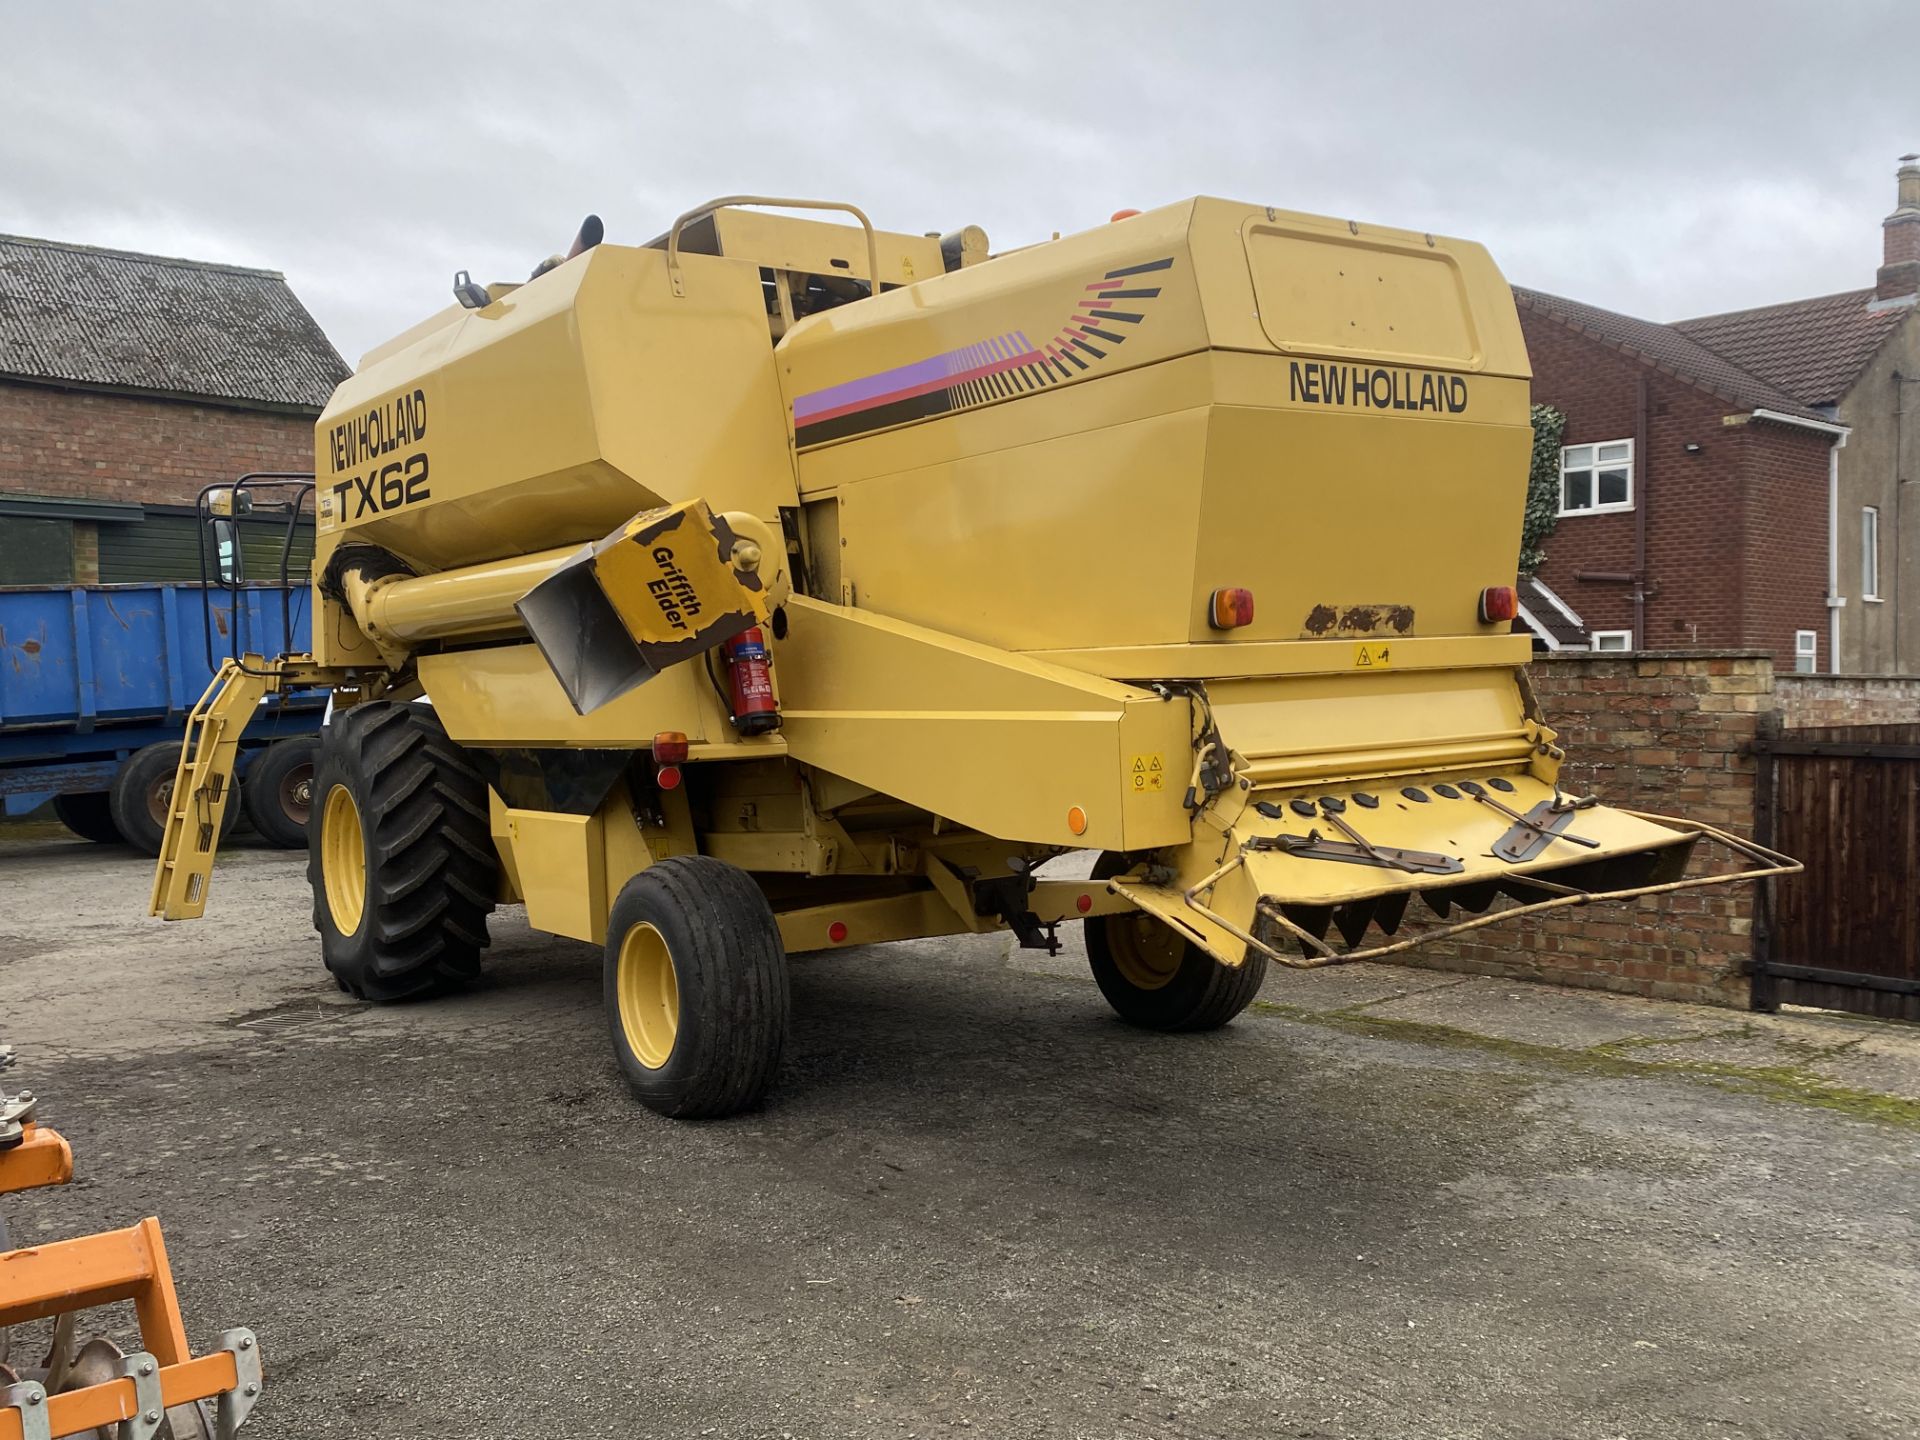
1230	609
1498	602
667	777
670	748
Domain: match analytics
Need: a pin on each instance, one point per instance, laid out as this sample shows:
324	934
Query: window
1806	648
1613	639
1596	478
1869	553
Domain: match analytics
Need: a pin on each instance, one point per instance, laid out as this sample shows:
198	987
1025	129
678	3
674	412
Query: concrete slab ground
1384	1203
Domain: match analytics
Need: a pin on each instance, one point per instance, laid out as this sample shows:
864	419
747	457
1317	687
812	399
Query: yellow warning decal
1148	772
1373	657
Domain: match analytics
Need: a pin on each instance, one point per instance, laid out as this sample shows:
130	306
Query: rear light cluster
1497	603
1231	608
669	754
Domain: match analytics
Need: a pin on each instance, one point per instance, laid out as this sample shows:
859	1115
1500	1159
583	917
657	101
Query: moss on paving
1793	1084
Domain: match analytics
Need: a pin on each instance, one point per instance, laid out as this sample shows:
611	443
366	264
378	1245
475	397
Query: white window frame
1593	467
1806	646
1870	553
1599	637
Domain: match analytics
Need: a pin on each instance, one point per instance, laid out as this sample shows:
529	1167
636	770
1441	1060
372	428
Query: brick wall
1666	734
82	445
1783	540
1596	389
1736	534
1806	701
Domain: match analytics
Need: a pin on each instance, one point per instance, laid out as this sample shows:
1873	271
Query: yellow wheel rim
1145	950
649	995
343	860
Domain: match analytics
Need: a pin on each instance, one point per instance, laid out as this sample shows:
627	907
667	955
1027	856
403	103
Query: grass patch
1787	1084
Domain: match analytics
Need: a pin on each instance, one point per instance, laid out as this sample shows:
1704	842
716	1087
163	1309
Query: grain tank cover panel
556	412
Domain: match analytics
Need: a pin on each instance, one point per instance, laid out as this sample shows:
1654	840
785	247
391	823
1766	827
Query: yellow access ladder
203	785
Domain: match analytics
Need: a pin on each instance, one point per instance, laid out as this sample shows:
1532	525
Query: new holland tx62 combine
782	585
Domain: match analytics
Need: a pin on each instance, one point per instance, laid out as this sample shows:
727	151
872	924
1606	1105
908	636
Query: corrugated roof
1668	349
77	315
1813	348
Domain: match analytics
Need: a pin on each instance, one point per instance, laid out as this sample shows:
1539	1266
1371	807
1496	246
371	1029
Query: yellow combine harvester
784	585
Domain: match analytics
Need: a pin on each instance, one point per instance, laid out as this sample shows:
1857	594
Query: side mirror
229	564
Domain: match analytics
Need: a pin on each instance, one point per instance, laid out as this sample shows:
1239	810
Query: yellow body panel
991	741
557	865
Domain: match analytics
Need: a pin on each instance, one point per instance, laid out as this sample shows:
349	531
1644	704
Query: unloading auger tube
782	585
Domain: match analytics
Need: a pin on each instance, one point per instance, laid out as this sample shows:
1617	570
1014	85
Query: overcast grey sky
1666	159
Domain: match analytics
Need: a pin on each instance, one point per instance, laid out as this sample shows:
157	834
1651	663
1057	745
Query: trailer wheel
695	988
89	815
1158	980
279	791
400	856
143	791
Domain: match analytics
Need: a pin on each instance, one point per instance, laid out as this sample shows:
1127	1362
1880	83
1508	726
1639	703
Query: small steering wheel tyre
695	986
1158	979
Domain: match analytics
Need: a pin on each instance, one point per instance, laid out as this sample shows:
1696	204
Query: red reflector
837	931
670	747
1230	609
1498	602
1083	904
667	777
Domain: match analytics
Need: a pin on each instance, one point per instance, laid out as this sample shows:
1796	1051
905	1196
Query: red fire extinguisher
755	711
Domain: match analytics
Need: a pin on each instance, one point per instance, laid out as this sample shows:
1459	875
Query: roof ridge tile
1672	350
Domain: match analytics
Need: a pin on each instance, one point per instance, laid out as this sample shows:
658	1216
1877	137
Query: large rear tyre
90	816
695	988
143	793
400	856
278	794
1158	980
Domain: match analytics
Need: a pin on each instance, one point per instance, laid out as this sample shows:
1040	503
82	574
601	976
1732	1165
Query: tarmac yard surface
1385	1204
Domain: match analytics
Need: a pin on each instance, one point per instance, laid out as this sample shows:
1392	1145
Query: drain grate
289	1016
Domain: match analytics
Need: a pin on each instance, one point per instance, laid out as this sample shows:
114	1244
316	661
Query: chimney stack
1899	276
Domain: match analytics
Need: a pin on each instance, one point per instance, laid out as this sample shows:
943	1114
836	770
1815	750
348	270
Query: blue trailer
95	685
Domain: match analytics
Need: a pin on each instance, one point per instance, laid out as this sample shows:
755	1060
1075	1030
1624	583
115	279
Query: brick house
128	382
1854	358
1694	495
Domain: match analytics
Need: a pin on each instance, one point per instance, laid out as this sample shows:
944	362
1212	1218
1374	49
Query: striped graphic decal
999	367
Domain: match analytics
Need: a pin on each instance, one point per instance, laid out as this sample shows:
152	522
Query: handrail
301	482
673	235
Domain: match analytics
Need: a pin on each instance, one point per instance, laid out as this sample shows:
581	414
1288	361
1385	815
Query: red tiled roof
1814	348
1666	348
1547	615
